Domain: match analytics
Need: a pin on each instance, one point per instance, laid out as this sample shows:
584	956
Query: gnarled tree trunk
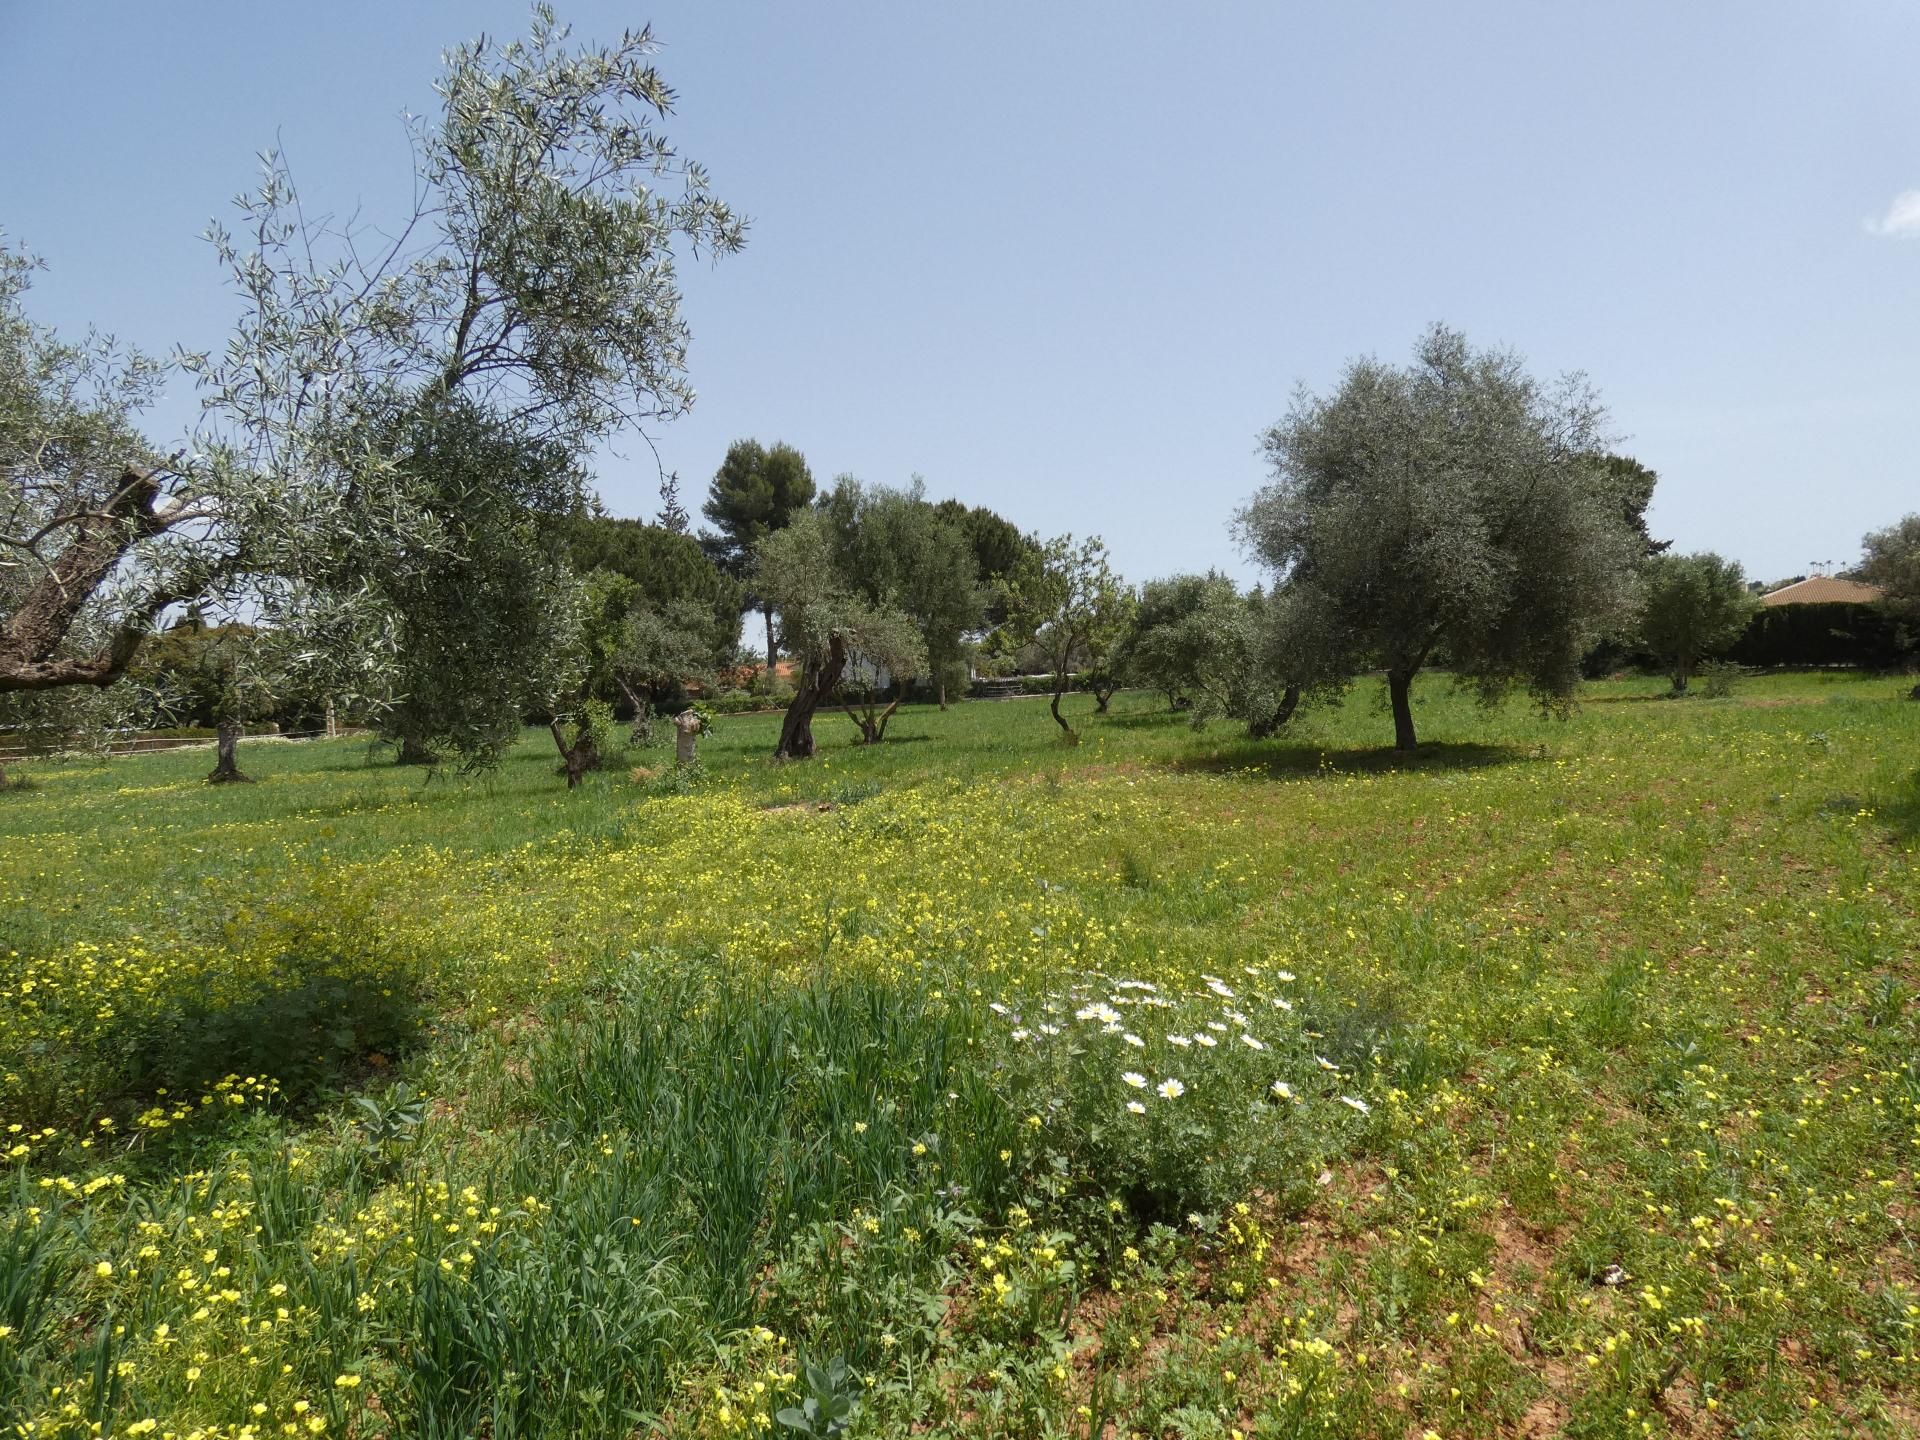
226	766
1060	688
817	680
687	726
1261	728
31	637
1400	695
412	752
873	727
577	756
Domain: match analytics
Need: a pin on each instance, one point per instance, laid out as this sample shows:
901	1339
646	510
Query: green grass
1594	1041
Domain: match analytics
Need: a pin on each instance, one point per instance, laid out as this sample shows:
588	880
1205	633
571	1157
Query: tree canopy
668	570
1197	639
1075	608
757	490
1692	608
534	280
1455	505
827	617
480	616
900	552
1891	560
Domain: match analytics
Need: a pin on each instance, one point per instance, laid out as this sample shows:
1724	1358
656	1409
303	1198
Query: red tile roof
1823	590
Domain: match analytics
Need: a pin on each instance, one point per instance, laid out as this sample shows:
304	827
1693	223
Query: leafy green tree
826	620
578	717
756	491
1891	560
1692	608
900	552
1003	555
1633	483
1197	639
669	571
673	515
1454	506
1074	608
535	276
664	647
479	615
226	676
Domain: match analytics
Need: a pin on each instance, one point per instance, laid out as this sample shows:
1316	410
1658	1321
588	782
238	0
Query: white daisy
1360	1105
1251	1043
1170	1089
1282	1089
1135	1107
1135	1079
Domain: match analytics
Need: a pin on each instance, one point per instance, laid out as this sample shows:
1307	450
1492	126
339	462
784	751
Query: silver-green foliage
534	279
1693	607
1453	508
1891	560
1198	639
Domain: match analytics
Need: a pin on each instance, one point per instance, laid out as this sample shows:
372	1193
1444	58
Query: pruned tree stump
687	726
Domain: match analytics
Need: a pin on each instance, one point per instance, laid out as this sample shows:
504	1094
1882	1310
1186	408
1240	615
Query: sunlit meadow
1560	1080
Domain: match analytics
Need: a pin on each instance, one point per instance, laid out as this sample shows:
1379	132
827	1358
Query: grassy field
1560	1080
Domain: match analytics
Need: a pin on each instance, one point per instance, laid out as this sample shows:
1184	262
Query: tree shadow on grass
1899	811
1146	720
1256	760
199	1053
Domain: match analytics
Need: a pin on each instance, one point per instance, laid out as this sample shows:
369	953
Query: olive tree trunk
1059	689
1400	694
1266	725
872	723
818	678
578	755
226	766
413	752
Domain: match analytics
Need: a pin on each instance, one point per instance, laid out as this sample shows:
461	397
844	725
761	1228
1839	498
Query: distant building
1823	590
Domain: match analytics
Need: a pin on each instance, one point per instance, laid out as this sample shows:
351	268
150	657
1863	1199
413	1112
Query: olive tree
1074	607
1452	507
664	647
1692	608
1198	640
901	552
1891	560
826	620
535	278
480	617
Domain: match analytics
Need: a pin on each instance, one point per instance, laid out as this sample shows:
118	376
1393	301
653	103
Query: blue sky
1068	260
